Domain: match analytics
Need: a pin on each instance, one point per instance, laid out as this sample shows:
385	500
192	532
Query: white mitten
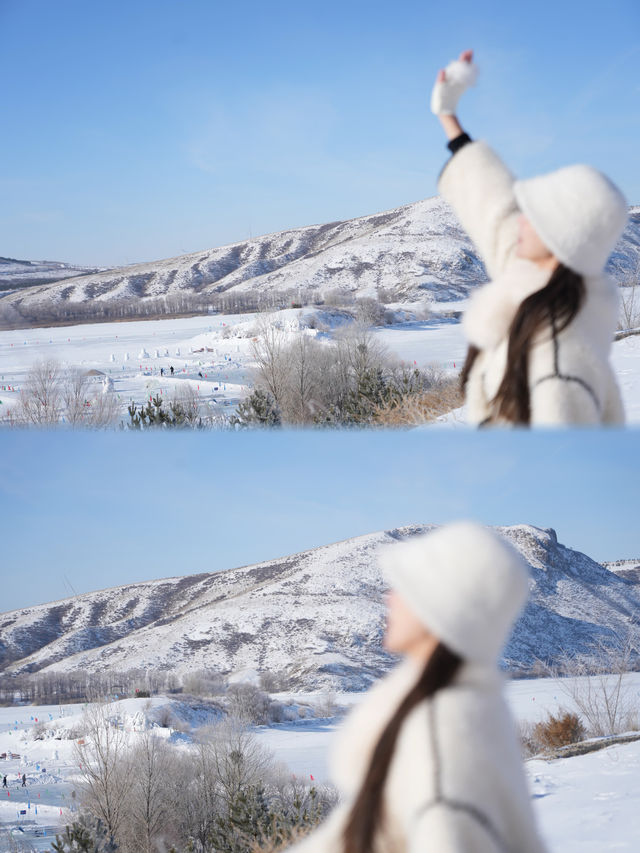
458	76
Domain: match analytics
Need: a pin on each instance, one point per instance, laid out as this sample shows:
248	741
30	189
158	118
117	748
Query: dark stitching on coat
564	377
577	379
439	798
473	812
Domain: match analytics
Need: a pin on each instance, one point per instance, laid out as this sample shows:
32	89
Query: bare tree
76	390
370	312
600	688
193	785
630	299
148	806
41	400
9	315
103	410
205	785
204	682
351	380
360	351
186	397
268	351
103	756
53	395
327	706
237	758
301	397
629	308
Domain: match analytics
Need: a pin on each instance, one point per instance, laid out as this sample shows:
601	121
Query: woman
430	760
540	333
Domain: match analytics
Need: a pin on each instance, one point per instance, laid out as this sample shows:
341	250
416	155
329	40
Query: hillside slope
318	615
402	254
17	275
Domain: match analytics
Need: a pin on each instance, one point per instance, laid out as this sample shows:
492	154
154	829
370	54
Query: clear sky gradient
134	130
86	511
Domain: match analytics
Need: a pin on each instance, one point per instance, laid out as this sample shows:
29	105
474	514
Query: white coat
570	379
456	783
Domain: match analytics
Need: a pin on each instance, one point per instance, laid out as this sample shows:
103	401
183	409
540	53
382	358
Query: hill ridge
317	614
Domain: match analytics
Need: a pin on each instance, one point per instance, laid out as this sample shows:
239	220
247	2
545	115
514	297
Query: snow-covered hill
15	275
627	569
403	254
318	615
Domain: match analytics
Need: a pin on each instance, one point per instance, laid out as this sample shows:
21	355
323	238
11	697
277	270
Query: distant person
200	374
540	332
171	369
162	371
24	780
430	760
4	782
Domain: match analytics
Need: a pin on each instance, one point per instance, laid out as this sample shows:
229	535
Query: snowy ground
626	364
133	354
583	803
219	348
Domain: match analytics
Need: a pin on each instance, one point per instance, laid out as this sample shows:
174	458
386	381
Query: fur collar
493	306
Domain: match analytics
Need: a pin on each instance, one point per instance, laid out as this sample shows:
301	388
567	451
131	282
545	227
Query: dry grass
556	731
414	409
560	730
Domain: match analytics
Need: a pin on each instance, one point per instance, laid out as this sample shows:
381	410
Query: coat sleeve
558	401
479	188
449	830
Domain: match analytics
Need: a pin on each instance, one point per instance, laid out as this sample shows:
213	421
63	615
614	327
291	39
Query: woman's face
405	633
530	246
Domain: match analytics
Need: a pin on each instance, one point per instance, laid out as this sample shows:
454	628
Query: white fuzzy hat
578	213
465	583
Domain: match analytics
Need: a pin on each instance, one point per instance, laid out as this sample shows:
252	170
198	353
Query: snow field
626	365
133	353
589	802
219	347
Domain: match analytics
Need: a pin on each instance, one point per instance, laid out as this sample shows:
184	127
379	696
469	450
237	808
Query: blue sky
144	129
86	511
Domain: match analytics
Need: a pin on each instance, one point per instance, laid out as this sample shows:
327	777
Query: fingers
465	56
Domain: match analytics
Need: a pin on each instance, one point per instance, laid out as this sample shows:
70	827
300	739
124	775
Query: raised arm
475	181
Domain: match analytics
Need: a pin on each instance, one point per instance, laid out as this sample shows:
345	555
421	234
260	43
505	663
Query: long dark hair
366	815
555	306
